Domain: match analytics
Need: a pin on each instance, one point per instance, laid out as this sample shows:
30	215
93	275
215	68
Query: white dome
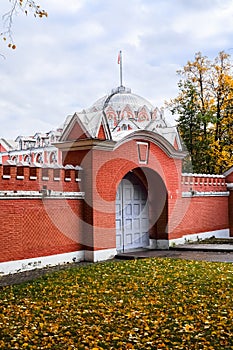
121	97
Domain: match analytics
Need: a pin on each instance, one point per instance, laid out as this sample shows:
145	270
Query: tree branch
17	6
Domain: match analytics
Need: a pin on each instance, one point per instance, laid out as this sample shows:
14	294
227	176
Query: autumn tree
222	89
15	7
204	108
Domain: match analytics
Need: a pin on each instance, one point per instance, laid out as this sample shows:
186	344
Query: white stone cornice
86	144
41	195
205	194
203	175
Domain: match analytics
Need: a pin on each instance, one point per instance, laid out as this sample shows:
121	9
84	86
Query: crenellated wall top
35	177
203	182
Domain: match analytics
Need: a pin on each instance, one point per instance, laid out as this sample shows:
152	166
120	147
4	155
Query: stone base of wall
17	266
158	244
202	235
100	255
9	267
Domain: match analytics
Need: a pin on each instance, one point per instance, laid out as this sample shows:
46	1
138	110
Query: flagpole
120	62
121	70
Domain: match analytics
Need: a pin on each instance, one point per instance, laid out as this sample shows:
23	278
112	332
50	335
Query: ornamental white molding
204	194
203	175
49	194
143	152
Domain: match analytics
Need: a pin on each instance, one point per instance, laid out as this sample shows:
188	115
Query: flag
119	58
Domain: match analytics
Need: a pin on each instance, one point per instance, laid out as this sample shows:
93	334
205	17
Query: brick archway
105	164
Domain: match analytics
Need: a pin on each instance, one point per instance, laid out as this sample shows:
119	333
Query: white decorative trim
20	194
143	152
45	178
204	194
230	186
68	179
158	244
100	255
40	262
76	195
6	176
78	180
33	178
203	175
56	179
40	195
20	177
225	233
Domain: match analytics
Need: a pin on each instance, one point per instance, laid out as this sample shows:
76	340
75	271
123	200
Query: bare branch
18	6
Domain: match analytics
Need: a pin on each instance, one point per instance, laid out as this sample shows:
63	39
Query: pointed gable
77	133
75	130
111	116
143	114
87	126
156	114
127	113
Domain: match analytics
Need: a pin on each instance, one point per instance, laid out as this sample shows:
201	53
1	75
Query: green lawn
139	304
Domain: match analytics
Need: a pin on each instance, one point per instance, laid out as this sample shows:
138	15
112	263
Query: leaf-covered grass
140	304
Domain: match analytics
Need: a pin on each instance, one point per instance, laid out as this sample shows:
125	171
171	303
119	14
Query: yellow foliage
149	304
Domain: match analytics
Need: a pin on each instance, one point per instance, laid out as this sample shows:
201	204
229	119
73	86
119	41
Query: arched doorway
132	214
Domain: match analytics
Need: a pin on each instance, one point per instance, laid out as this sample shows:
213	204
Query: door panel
132	216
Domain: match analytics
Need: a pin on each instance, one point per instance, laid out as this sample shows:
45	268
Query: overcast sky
64	63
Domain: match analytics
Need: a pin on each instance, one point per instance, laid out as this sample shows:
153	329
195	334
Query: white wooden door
132	216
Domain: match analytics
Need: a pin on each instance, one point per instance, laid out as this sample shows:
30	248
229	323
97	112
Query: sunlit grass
140	304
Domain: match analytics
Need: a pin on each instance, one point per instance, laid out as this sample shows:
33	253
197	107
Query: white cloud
63	7
67	61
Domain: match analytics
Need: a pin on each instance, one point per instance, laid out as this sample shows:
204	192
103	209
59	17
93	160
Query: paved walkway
205	252
205	247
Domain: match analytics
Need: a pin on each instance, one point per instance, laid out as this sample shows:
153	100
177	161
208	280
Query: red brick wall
33	227
74	157
230	214
198	214
41	227
229	179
